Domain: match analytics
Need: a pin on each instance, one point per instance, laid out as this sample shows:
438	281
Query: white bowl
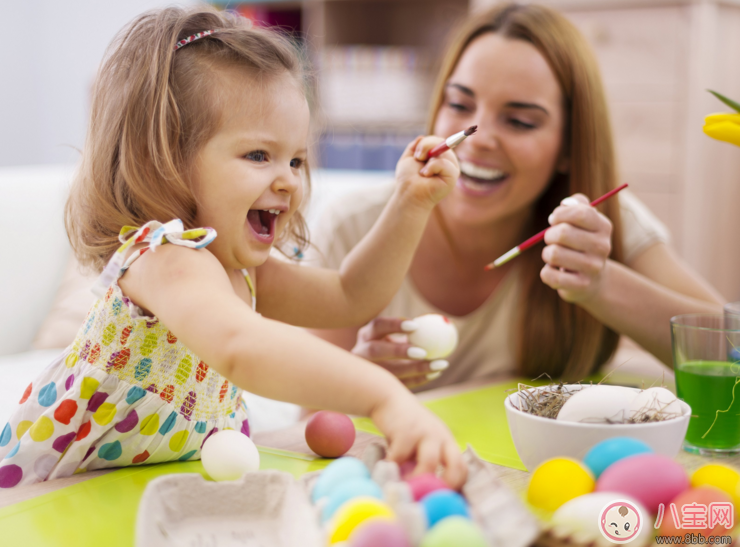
538	439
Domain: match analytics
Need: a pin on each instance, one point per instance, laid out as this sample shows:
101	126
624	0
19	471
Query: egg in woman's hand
598	404
435	334
655	401
228	455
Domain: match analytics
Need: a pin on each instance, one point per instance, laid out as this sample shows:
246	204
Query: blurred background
375	61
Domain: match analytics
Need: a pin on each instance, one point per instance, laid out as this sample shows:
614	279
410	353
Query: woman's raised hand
406	362
578	246
426	182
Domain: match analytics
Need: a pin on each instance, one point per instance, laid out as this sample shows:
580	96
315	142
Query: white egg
595	404
654	400
581	518
228	455
436	334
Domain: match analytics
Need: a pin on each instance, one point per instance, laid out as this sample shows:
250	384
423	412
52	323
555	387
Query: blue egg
444	503
605	453
336	473
346	491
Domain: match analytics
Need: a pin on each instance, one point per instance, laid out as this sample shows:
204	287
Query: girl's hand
426	182
578	246
414	433
404	361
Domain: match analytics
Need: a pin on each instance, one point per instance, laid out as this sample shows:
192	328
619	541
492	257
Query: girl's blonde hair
555	337
153	108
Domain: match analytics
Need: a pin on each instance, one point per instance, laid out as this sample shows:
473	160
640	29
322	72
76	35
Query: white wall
51	51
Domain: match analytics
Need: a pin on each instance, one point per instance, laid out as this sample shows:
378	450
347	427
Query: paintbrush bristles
470	130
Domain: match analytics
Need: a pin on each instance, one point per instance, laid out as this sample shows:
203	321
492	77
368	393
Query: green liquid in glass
707	386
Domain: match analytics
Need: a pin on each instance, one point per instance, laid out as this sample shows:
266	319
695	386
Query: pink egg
375	532
421	485
651	479
330	434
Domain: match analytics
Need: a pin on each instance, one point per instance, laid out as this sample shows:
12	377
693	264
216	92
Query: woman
527	78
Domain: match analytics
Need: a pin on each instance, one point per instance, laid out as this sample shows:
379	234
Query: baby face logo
620	521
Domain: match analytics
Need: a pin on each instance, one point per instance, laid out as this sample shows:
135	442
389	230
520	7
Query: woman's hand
414	433
426	182
578	246
404	361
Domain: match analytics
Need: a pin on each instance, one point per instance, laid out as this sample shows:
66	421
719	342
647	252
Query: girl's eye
519	124
257	155
296	163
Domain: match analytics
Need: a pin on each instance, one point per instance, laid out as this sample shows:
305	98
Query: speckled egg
353	513
353	488
651	479
457	531
442	504
558	480
330	434
336	473
607	452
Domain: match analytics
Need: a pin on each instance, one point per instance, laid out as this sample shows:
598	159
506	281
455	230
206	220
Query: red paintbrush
519	249
452	142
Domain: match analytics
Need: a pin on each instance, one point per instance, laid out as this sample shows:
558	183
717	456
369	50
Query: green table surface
102	511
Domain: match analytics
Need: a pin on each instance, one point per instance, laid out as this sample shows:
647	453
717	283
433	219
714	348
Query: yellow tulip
723	127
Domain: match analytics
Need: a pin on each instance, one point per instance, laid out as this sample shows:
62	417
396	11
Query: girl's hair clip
193	38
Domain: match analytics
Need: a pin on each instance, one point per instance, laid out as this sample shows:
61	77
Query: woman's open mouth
477	180
262	222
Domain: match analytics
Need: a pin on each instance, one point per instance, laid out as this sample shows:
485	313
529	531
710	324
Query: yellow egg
720	476
558	480
354	512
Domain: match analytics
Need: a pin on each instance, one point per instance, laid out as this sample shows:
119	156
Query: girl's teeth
478	172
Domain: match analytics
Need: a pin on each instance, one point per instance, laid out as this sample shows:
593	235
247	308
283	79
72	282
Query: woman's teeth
478	172
274	211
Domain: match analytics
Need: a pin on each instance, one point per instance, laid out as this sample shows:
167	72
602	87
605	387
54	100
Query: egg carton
271	509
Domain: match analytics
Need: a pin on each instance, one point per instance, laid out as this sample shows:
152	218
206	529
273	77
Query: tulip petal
724	131
722	117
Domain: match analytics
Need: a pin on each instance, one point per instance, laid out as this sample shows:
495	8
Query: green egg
457	531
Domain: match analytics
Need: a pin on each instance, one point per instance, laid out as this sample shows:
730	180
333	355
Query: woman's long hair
153	108
553	336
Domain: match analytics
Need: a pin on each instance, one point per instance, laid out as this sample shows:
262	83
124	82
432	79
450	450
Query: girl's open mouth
262	222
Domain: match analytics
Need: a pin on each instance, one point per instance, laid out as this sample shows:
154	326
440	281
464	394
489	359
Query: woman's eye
296	163
257	155
519	124
457	106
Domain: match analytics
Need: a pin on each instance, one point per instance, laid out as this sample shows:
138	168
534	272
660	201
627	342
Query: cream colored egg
436	334
656	400
580	519
229	454
598	404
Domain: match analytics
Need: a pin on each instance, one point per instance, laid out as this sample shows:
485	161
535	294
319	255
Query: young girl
197	117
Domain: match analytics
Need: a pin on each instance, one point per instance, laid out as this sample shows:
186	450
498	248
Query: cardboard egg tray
271	509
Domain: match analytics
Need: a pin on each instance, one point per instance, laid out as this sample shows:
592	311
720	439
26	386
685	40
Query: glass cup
708	379
733	308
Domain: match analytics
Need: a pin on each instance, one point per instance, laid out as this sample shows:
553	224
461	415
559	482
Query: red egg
424	484
693	508
330	434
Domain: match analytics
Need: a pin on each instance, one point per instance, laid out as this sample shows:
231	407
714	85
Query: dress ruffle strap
156	234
